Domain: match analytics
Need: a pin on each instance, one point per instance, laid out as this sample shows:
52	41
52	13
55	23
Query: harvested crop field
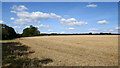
75	50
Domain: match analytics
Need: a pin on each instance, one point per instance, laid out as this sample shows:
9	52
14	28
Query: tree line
9	32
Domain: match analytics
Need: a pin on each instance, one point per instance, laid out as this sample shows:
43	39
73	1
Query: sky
60	0
62	17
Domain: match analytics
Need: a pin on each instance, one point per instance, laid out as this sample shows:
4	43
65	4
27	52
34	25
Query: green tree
101	33
109	33
90	33
7	32
31	31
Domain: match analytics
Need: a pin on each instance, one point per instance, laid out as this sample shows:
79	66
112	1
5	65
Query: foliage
31	31
105	33
7	32
90	33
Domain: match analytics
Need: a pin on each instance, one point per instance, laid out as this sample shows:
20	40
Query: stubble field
75	50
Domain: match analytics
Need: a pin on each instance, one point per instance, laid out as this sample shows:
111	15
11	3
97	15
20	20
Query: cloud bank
103	22
91	5
117	27
2	22
72	22
25	17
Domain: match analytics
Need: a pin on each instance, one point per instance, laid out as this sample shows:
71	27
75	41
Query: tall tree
7	32
31	31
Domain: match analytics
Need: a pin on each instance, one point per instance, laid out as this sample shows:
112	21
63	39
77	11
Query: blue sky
62	17
61	1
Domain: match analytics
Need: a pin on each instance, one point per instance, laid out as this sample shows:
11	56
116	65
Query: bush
31	31
7	32
90	33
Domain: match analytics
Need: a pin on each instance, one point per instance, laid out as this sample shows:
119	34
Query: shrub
31	31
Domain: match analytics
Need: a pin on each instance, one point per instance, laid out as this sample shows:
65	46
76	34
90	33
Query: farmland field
75	50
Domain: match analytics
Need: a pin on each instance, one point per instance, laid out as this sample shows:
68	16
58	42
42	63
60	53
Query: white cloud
19	8
117	27
116	32
43	32
72	22
23	21
50	30
27	26
53	32
25	17
17	27
70	28
2	22
109	31
42	26
103	22
13	11
91	5
62	32
12	18
37	15
93	29
93	32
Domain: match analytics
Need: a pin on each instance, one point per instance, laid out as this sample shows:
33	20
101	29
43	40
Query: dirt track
78	50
